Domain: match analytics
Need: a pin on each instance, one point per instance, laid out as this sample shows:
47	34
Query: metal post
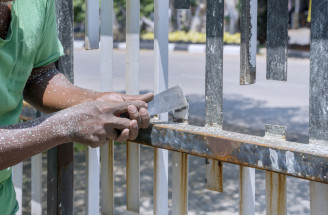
60	159
132	88
247	191
276	198
180	183
92	24
214	81
214	175
93	180
318	94
180	166
161	84
275	184
36	187
296	14
52	182
17	176
106	72
92	42
277	40
248	26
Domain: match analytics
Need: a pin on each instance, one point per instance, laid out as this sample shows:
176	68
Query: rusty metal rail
307	161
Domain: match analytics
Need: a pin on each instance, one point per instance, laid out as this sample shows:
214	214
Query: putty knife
168	100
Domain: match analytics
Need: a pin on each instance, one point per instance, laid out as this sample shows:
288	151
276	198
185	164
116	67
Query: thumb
145	97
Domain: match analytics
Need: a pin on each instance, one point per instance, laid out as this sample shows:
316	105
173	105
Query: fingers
142	116
120	123
124	136
145	97
123	107
133	130
134	114
145	117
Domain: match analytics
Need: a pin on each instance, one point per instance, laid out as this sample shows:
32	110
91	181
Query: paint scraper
168	100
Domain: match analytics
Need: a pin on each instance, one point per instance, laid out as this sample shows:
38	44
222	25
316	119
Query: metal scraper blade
168	100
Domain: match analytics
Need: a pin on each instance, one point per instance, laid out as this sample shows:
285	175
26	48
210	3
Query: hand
93	123
142	116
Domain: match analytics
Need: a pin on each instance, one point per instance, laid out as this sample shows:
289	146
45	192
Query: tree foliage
146	9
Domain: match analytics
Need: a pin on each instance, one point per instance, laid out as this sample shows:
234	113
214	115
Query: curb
197	48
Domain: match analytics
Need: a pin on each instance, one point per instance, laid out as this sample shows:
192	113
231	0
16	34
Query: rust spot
222	149
220	176
155	178
184	184
271	192
240	188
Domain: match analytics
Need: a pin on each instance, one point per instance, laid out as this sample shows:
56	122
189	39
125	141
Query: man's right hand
93	123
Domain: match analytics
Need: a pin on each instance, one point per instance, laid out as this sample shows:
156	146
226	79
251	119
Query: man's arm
91	123
88	117
49	90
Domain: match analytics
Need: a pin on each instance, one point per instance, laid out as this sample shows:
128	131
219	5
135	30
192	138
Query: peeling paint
274	159
290	162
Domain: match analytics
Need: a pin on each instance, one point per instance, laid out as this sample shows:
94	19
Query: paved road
247	106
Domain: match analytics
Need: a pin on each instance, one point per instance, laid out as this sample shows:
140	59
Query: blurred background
189	26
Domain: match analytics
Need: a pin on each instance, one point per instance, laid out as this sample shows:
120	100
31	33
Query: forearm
21	141
50	91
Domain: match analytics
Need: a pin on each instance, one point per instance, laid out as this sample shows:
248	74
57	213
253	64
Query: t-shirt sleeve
50	48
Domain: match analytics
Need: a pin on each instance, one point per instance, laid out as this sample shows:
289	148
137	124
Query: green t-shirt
31	42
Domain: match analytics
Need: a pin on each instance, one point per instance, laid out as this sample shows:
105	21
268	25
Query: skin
74	114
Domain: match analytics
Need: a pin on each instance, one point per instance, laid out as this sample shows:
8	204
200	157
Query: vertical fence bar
275	184
93	181
214	175
132	88
277	40
276	198
106	72
179	183
92	24
17	176
295	23
92	42
180	167
247	191
60	159
161	84
248	26
318	95
52	182
214	80
36	187
214	63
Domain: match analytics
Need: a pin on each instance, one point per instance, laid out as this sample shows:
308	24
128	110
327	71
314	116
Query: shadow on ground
240	115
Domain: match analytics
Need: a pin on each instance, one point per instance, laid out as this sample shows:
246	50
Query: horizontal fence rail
307	161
